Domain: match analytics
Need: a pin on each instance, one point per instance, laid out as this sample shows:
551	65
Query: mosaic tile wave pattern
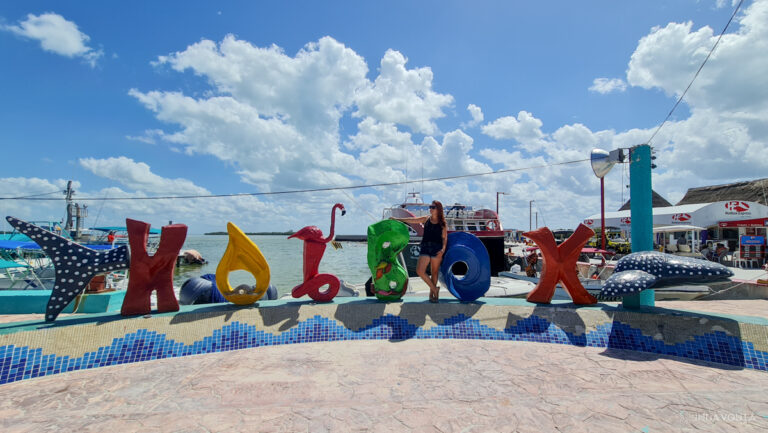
18	363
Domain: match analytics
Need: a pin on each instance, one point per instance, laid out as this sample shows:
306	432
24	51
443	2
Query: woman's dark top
432	233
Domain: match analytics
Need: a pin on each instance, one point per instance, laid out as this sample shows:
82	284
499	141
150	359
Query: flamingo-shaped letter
314	248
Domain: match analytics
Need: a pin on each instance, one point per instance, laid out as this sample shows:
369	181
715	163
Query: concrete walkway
413	385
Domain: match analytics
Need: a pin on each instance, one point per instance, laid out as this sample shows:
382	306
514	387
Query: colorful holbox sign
75	265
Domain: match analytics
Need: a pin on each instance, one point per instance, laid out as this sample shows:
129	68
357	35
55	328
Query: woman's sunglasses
432	206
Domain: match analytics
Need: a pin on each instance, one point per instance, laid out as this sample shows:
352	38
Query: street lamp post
497	201
530	215
640	166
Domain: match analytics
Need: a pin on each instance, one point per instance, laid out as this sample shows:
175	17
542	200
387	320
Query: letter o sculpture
467	248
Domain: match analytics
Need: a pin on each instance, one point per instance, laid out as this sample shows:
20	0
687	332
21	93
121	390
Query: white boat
23	266
483	223
686	292
500	288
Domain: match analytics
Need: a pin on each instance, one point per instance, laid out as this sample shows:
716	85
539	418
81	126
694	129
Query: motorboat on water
116	236
483	223
24	266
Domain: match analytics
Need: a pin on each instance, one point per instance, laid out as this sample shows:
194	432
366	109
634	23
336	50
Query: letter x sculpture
560	265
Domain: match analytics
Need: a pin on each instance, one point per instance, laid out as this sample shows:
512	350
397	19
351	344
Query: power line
680	99
298	191
33	195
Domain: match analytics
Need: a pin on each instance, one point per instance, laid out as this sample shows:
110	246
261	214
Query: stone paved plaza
413	385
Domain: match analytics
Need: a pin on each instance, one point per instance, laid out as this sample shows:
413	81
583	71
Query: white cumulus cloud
477	116
608	85
728	101
525	129
403	96
138	176
276	118
57	35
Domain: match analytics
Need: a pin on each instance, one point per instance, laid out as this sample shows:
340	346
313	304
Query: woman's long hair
440	215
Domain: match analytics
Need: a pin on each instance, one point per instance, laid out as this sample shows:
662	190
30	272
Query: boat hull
494	245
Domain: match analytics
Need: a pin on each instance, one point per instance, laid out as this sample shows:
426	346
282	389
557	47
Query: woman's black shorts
430	249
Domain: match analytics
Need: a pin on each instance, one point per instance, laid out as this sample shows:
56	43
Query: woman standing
432	245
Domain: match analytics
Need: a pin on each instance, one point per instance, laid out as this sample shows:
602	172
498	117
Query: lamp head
601	162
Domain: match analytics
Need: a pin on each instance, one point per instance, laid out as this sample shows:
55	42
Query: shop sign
758	222
752	240
737	208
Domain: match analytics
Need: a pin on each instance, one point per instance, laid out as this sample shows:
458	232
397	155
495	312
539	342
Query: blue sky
165	98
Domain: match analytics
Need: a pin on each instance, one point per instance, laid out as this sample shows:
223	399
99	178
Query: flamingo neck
333	224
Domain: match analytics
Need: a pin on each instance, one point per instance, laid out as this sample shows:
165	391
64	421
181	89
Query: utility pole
641	210
68	193
497	201
75	211
530	215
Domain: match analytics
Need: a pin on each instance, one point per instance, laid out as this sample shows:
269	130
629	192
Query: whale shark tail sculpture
652	269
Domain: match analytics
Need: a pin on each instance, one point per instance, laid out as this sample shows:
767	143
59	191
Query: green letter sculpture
385	241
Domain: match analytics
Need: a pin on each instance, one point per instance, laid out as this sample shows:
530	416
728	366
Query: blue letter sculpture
467	248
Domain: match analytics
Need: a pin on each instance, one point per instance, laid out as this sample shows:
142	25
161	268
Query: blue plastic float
466	248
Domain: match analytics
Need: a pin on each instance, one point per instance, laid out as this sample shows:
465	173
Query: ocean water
285	258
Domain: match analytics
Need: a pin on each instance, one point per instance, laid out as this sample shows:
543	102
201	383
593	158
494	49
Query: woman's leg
421	271
434	264
434	268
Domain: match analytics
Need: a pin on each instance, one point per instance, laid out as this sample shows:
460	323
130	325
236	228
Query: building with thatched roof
658	201
753	190
734	215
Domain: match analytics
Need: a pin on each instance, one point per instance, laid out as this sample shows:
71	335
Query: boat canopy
122	229
14	245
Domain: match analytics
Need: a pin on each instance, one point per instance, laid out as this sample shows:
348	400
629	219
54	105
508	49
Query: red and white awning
731	212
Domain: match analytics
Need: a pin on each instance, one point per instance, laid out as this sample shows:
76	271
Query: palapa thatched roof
658	201
752	190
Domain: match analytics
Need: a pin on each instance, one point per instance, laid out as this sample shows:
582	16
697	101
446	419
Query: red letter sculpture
314	248
560	265
152	273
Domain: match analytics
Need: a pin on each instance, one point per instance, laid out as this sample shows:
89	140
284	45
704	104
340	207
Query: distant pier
351	238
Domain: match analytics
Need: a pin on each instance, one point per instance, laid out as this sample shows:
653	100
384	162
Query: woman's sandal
433	299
